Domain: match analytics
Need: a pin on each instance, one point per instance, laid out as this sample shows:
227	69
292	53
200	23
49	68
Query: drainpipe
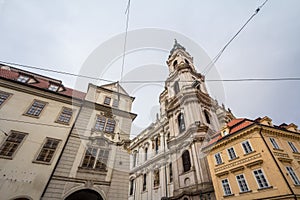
281	172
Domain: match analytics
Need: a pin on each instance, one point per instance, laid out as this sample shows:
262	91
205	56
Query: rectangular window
247	147
218	159
231	153
260	178
107	100
274	143
110	125
144	182
105	124
36	108
134	159
23	79
48	150
3	97
95	158
131	187
293	175
102	159
115	103
242	183
226	187
294	149
65	116
11	144
156	178
100	123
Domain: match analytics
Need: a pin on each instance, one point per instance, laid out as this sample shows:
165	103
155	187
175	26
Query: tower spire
176	46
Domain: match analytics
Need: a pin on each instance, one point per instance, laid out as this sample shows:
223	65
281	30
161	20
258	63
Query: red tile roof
41	82
234	126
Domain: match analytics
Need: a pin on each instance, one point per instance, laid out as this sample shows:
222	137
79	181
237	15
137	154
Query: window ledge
234	159
228	195
265	188
7	157
297	185
297	153
249	153
277	149
217	165
33	116
156	187
245	192
41	162
91	170
63	123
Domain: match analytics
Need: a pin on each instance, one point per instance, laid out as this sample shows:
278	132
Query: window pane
100	123
36	108
48	150
3	97
110	125
11	144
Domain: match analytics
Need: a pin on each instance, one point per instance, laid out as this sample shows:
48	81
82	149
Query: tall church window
170	172
131	187
144	182
207	116
181	124
176	87
186	161
146	154
134	159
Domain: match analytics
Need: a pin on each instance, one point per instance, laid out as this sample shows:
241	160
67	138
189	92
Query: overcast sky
61	35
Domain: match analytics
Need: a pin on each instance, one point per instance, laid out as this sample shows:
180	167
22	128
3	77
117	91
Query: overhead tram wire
124	46
210	65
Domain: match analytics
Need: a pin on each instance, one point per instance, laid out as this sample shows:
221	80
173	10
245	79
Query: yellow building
254	159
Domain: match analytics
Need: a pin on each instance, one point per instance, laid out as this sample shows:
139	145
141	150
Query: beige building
255	160
94	164
37	114
166	161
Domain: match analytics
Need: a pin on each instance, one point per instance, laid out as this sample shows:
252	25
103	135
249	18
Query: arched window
206	116
181	124
175	63
146	153
85	194
186	61
176	87
186	161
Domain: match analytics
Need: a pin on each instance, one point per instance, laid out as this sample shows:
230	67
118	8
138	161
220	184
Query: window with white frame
247	147
231	153
274	143
218	159
226	187
242	183
23	79
3	97
11	144
293	175
65	115
47	152
294	149
96	155
53	87
260	179
36	108
105	124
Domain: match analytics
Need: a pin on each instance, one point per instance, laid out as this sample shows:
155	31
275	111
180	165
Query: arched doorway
85	194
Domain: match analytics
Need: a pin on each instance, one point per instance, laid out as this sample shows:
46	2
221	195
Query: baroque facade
167	161
94	163
255	159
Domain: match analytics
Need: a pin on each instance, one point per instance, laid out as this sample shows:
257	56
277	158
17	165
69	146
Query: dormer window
53	87
23	79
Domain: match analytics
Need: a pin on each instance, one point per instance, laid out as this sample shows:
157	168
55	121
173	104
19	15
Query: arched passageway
85	194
